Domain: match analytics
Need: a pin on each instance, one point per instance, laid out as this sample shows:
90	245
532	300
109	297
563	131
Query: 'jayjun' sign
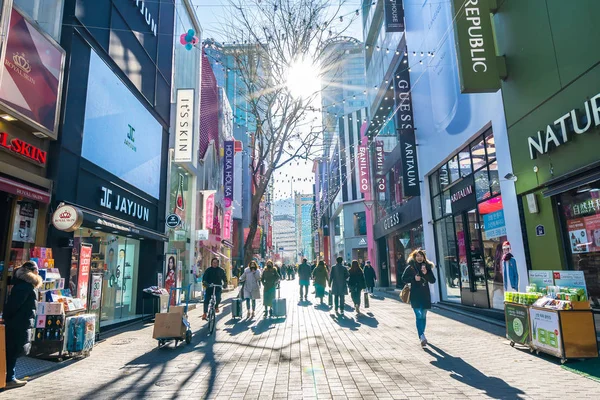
124	205
561	131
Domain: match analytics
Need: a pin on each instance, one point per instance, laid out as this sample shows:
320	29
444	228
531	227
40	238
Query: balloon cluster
189	39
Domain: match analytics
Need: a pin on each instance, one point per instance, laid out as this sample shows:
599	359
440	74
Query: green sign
477	64
517	323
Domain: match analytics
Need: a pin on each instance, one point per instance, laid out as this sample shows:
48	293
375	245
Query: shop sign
96	294
588	207
478	71
173	221
391	221
202	234
494	225
229	152
541	278
545	331
141	5
123	205
394	16
209	209
67	218
32	75
462	195
363	169
22	148
379	160
184	124
362	242
517	323
227	224
83	276
572	279
404	122
560	131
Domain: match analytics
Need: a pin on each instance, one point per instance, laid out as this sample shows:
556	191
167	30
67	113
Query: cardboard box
177	310
580	305
168	325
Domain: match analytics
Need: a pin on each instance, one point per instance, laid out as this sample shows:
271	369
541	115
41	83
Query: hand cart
185	325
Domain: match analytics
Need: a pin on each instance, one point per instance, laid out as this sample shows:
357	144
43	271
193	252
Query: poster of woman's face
171	264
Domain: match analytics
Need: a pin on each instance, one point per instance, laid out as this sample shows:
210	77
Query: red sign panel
83	276
31	80
227	225
23	149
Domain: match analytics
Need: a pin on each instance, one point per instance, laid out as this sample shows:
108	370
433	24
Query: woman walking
418	273
320	277
356	283
370	277
251	280
270	280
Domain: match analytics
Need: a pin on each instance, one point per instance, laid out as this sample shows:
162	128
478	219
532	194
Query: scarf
507	257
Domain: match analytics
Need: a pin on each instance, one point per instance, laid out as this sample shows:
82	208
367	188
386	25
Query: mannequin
509	268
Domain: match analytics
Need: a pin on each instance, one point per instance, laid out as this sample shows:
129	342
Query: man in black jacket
214	275
19	316
304	278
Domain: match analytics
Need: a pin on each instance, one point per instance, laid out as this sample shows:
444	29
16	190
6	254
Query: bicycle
212	318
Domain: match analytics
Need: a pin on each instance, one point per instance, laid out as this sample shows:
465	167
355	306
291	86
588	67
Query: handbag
405	293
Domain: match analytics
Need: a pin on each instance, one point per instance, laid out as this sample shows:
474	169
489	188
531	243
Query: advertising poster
96	292
83	275
25	224
517	323
494	225
577	236
541	278
32	74
573	279
171	275
545	331
592	227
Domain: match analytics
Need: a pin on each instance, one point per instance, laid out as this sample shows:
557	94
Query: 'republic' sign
477	63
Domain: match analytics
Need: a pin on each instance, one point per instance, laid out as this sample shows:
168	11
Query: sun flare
303	79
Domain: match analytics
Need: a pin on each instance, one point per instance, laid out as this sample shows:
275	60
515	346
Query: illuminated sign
23	149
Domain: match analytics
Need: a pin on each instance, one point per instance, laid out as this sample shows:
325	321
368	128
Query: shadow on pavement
305	303
368	320
322	307
464	372
265	324
345	322
237	326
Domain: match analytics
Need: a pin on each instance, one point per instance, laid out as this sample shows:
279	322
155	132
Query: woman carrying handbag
419	275
251	287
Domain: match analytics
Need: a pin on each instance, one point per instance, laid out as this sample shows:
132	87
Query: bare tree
266	39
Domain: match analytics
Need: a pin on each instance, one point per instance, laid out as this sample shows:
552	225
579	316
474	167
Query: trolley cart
174	325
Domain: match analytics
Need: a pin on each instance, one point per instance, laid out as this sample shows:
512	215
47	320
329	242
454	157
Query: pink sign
83	276
363	169
227	224
209	211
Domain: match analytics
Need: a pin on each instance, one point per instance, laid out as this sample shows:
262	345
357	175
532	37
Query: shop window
490	146
47	13
434	183
23	233
494	179
464	159
482	184
478	154
447	260
580	209
453	169
437	207
360	224
444	177
446	203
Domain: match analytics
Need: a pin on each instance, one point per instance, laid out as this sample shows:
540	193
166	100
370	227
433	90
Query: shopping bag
366	299
405	294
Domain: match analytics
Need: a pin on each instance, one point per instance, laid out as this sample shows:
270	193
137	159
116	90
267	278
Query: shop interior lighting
8	117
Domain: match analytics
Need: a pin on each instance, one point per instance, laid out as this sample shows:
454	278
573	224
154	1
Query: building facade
303	209
284	238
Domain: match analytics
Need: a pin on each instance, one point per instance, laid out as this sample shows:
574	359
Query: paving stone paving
312	354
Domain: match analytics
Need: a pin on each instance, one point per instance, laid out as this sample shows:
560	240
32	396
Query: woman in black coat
356	283
370	277
19	317
419	274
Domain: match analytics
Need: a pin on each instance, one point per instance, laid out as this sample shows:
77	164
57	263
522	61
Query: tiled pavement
312	355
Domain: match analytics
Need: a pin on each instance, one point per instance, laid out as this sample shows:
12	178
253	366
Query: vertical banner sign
477	68
404	122
184	125
379	159
209	211
229	152
363	169
227	225
96	292
83	275
394	16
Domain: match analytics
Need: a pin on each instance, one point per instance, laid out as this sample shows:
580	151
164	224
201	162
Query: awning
564	185
20	189
110	223
216	253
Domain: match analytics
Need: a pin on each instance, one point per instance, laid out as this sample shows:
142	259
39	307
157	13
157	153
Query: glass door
466	289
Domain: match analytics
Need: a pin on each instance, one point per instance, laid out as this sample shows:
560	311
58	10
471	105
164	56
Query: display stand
517	324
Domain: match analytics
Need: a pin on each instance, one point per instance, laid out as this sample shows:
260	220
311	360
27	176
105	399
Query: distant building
303	207
284	237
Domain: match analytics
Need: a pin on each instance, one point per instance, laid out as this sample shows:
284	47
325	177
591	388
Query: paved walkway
313	355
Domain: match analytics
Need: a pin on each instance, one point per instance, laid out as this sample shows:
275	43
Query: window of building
360	224
47	14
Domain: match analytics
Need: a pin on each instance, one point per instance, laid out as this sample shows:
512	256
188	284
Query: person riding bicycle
214	275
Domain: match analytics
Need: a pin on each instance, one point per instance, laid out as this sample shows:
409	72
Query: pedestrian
356	283
339	284
19	317
370	277
419	274
251	279
320	277
270	280
304	278
284	271
214	275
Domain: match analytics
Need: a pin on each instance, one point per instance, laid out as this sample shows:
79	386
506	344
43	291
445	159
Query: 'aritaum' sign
561	131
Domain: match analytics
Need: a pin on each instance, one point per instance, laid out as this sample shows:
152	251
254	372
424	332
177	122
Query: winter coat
420	297
20	309
511	273
356	282
370	276
320	276
214	276
339	278
251	280
304	273
269	279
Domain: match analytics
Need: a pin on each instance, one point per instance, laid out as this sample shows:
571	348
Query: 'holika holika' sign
124	205
477	61
558	133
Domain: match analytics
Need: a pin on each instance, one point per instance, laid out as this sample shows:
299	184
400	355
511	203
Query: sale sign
96	294
83	276
545	331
